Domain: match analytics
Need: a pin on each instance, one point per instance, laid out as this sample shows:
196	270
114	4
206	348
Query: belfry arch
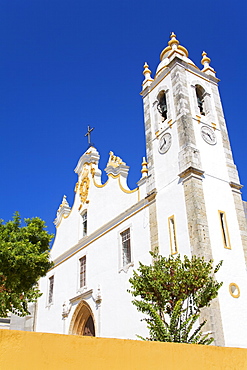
82	322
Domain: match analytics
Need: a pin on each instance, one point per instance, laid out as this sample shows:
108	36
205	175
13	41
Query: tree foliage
24	258
172	293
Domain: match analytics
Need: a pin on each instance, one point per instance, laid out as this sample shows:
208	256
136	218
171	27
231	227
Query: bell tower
192	175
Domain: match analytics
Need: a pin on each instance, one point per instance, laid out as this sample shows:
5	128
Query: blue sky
67	64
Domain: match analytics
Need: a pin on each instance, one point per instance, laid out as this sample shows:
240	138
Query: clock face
165	142
208	135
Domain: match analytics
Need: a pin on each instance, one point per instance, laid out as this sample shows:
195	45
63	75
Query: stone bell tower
192	175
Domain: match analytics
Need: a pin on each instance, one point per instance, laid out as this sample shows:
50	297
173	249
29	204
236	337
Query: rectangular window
82	272
172	233
224	230
51	287
84	224
126	250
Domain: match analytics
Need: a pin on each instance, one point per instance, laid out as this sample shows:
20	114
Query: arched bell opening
82	322
162	104
200	92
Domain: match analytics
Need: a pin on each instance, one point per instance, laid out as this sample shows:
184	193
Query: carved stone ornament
114	161
84	186
76	187
116	166
63	211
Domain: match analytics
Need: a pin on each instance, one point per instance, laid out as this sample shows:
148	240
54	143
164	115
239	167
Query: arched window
200	99
82	271
84	223
162	104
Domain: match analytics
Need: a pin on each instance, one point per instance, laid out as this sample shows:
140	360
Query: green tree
171	294
24	258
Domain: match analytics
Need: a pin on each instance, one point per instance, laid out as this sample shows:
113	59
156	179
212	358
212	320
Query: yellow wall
24	350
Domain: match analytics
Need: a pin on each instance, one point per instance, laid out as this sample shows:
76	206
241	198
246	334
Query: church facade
187	201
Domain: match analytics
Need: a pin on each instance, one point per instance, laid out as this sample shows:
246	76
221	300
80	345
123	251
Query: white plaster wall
119	318
212	156
66	233
166	164
170	201
192	81
156	119
170	194
107	202
104	203
218	196
170	197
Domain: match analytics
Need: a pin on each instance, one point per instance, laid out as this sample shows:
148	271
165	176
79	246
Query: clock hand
164	143
206	133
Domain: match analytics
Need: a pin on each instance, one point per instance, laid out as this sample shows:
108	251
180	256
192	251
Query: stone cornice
86	241
191	171
188	67
235	187
81	296
152	195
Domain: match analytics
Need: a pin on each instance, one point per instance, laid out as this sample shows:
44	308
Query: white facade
189	202
111	209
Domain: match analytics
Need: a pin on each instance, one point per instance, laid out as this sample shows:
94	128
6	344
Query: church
187	201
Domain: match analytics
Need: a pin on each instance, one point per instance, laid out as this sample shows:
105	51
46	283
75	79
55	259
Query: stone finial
205	59
114	161
173	46
144	170
116	166
147	74
173	40
63	211
64	202
205	62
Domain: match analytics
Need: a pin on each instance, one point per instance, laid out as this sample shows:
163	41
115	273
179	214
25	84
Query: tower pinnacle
173	46
147	74
205	62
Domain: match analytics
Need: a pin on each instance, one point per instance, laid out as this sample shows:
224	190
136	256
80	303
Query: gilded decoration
62	212
76	187
92	171
84	185
114	161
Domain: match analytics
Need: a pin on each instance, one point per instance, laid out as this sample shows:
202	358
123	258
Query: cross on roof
88	134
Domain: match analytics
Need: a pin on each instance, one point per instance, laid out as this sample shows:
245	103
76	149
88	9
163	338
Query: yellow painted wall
39	351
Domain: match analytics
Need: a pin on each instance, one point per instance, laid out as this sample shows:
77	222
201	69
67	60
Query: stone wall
27	350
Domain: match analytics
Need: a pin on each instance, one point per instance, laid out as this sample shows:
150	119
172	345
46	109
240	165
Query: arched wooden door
82	322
